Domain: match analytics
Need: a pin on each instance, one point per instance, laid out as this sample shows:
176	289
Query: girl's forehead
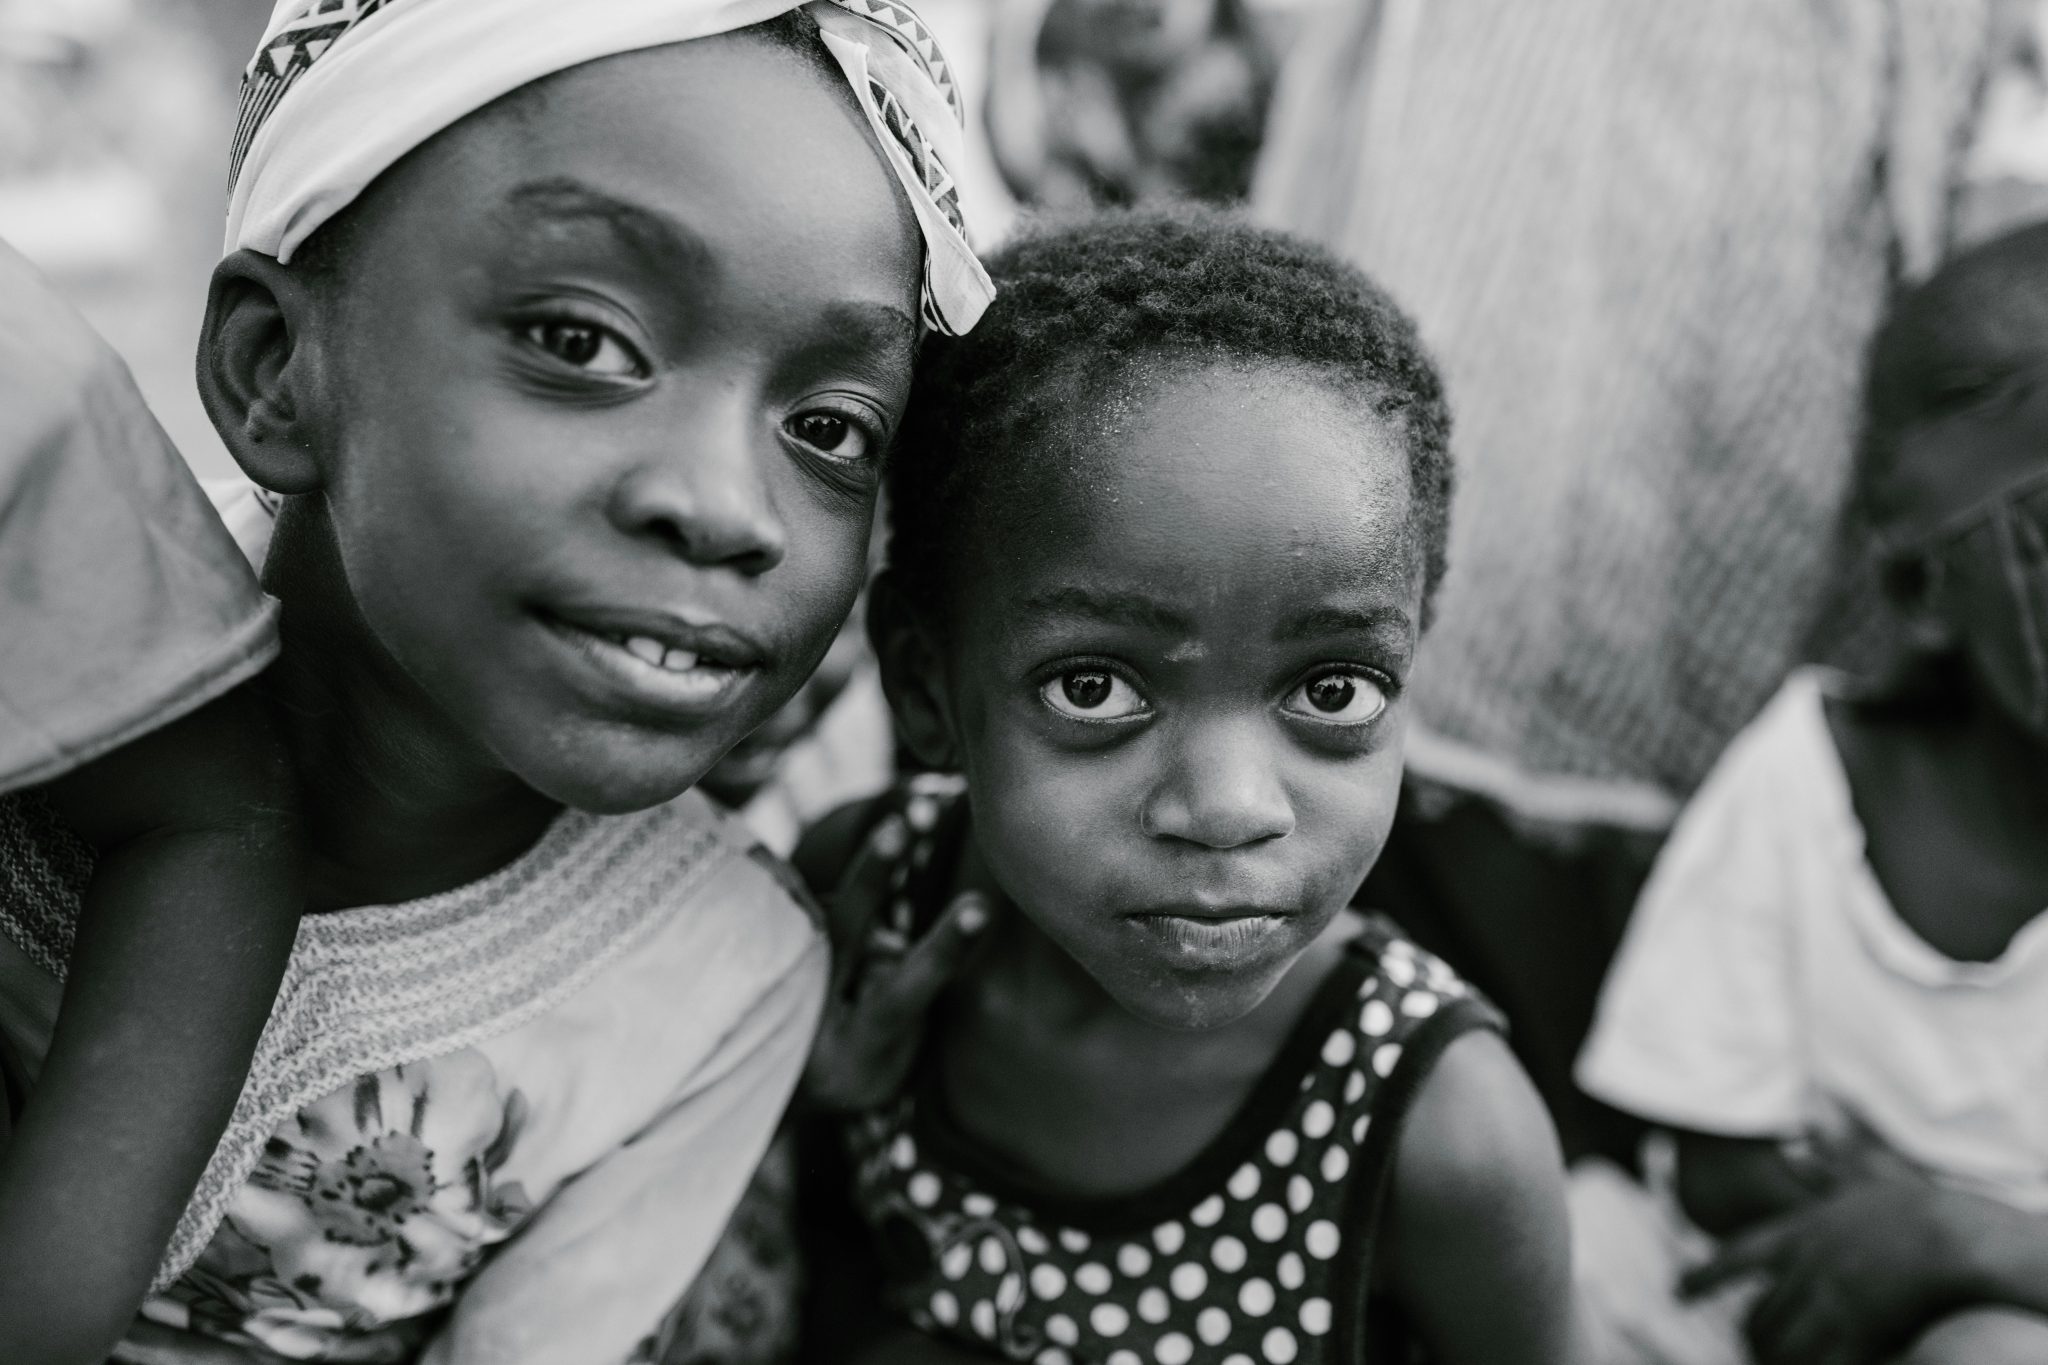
341	93
632	152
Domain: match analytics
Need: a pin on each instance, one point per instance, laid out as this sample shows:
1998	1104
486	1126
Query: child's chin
1196	1004
619	788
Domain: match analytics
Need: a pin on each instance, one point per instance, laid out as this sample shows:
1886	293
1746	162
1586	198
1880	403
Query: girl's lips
657	674
652	635
1214	943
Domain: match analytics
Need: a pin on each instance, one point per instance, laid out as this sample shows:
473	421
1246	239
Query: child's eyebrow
876	326
1322	621
662	244
1124	608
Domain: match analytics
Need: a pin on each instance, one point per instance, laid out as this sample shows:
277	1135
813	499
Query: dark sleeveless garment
1258	1252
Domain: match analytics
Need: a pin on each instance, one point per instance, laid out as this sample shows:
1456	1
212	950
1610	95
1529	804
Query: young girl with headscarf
560	345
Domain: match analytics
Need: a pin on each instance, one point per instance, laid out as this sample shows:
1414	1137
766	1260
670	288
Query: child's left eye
1339	699
591	349
1092	694
833	435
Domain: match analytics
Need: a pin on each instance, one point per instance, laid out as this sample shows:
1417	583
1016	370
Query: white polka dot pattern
1251	1269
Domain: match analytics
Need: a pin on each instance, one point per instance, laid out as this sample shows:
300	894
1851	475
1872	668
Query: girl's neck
398	804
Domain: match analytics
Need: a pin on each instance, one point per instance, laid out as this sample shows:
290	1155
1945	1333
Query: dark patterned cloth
44	869
744	1306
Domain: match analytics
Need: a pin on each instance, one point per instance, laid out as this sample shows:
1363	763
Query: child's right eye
1093	694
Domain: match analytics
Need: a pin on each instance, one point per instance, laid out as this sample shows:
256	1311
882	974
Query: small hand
1849	1151
1848	1277
883	984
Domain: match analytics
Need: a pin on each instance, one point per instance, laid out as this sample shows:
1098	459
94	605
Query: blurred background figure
1648	243
111	175
1122	101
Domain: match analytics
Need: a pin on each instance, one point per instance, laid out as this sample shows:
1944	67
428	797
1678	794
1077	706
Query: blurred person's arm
1857	1274
1728	1184
182	939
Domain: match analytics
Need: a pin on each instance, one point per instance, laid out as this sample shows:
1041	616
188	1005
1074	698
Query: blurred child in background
1833	988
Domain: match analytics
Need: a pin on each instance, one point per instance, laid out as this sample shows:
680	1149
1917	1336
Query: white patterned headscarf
340	90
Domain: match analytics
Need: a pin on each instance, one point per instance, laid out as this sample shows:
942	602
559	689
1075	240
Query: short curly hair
1081	305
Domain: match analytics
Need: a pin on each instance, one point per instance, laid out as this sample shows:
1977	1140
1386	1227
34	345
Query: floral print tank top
1258	1252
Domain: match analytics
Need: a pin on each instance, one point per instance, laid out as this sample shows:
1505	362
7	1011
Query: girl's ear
913	675
254	370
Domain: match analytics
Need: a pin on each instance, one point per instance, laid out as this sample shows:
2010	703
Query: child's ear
913	674
254	370
1912	586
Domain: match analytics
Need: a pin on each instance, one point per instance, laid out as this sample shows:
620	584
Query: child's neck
397	804
1952	807
1041	1065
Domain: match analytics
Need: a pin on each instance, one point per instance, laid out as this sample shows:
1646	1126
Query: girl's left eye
833	435
1092	694
589	348
1339	699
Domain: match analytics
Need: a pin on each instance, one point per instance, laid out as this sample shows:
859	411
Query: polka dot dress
1257	1253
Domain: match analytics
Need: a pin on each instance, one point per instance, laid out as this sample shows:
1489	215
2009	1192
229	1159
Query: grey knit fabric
1647	240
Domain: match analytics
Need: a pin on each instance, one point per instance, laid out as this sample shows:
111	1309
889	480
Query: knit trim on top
381	986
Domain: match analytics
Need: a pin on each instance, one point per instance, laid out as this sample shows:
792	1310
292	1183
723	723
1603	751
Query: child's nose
705	492
1221	789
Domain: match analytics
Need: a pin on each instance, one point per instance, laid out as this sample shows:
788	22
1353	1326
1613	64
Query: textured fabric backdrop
1647	242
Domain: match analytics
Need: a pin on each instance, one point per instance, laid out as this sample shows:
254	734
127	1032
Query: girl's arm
182	940
1476	1216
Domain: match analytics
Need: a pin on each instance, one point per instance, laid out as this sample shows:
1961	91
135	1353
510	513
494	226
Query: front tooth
679	661
645	649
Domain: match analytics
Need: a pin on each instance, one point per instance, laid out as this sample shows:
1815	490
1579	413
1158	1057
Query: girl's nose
706	492
1221	789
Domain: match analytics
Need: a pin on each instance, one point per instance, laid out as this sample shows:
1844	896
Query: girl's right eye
584	346
1092	694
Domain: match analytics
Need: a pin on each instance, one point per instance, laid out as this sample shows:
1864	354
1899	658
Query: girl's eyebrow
875	326
662	245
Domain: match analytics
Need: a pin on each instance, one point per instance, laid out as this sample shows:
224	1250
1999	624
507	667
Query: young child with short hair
1165	532
142	779
1834	987
563	341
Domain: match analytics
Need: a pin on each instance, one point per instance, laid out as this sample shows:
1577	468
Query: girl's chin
648	777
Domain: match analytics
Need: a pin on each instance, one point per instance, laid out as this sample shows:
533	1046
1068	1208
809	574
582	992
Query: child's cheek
1048	821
